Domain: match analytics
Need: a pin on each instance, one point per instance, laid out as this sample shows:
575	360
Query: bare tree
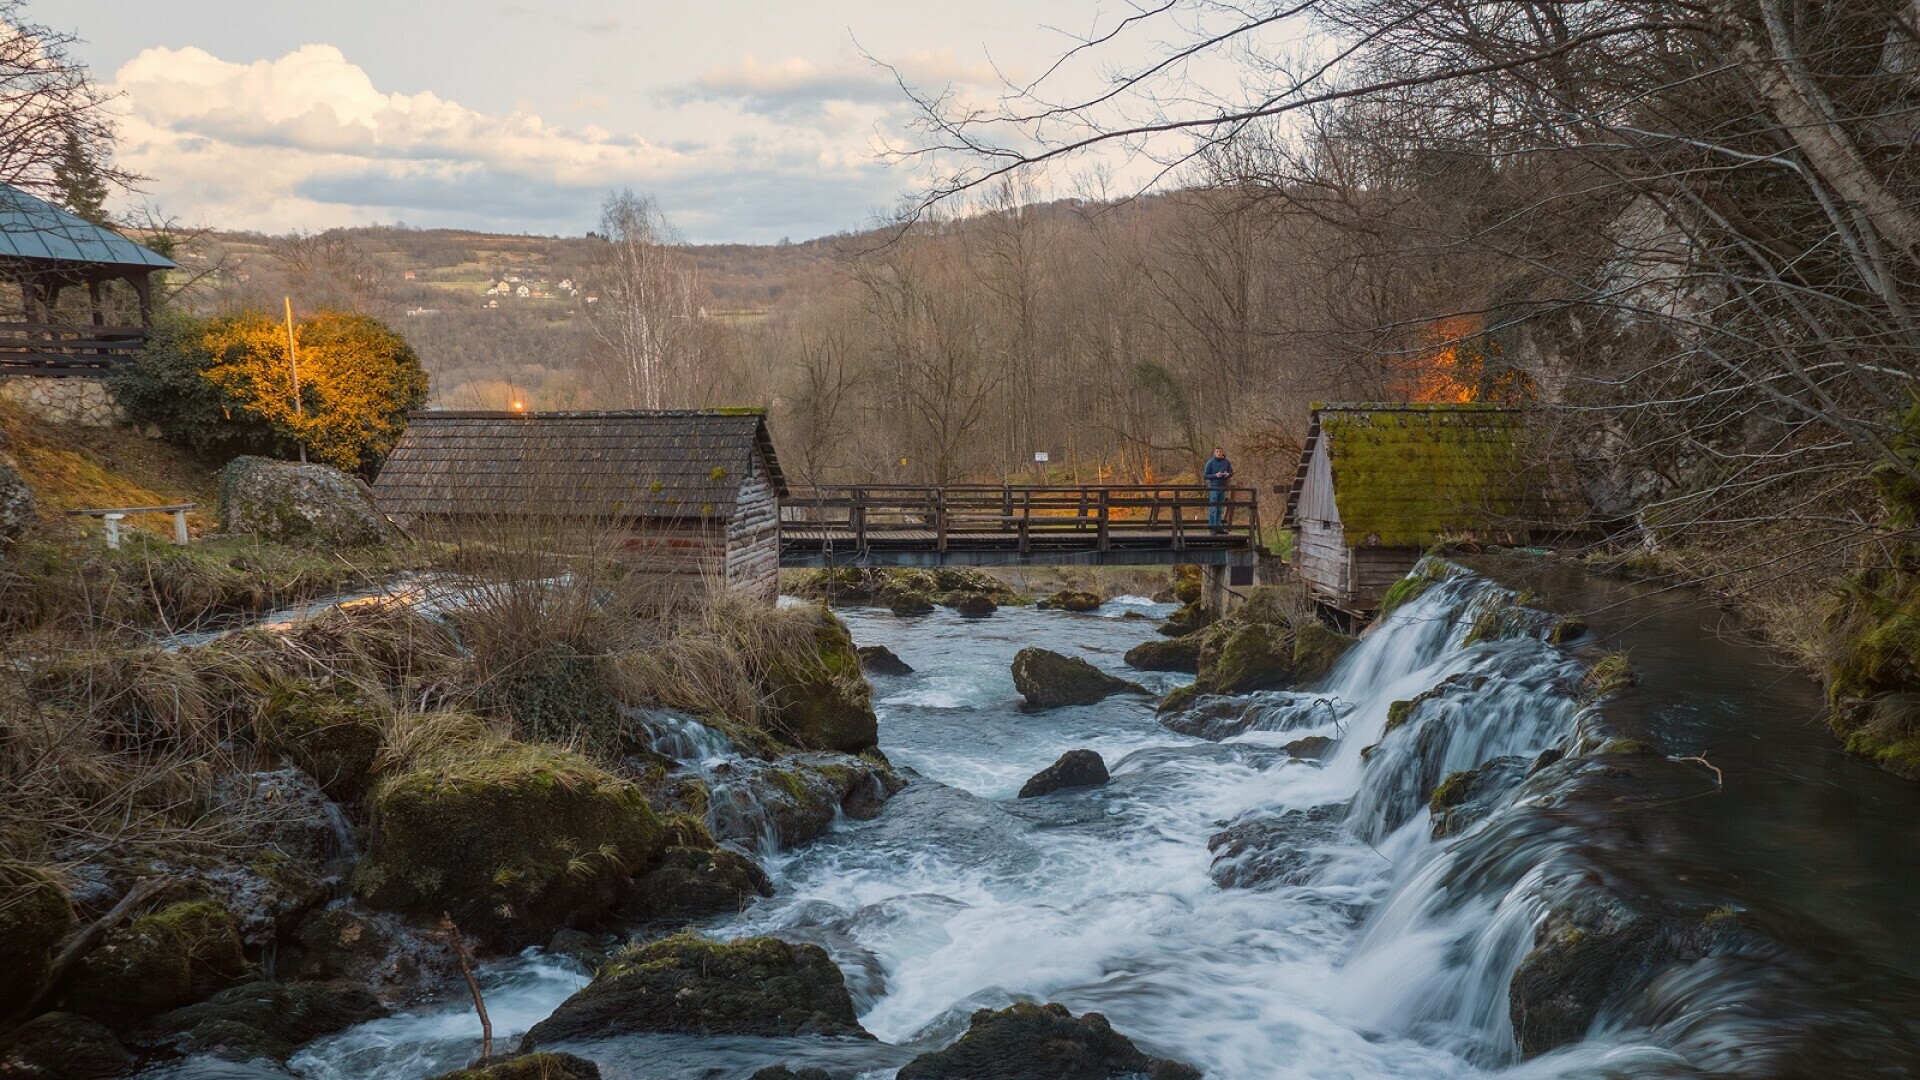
53	117
644	324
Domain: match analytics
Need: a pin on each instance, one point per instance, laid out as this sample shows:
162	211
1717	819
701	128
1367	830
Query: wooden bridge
979	525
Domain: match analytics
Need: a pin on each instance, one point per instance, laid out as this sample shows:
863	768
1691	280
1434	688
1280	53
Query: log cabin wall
752	562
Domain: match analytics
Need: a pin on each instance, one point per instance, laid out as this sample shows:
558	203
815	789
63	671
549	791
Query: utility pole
293	361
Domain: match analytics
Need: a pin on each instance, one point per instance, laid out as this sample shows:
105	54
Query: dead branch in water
466	970
1719	778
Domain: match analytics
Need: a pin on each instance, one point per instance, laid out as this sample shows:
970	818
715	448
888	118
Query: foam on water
1389	956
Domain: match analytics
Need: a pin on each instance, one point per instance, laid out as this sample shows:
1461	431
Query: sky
747	122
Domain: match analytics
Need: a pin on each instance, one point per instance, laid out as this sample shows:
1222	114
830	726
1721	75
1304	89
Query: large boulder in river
1042	1042
795	799
1049	680
1075	769
821	701
63	1046
294	503
692	986
514	841
1182	654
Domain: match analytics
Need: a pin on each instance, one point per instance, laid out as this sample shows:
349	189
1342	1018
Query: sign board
1039	455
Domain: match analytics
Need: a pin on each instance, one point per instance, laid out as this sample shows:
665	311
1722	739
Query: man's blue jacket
1216	472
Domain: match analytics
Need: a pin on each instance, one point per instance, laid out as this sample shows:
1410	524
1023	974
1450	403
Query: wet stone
1075	769
880	660
1266	852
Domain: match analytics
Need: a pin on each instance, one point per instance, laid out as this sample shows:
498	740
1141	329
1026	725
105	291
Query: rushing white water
1371	958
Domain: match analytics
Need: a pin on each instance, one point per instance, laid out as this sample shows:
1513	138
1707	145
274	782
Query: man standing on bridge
1218	471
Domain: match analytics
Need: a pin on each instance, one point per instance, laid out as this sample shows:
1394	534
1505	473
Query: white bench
115	515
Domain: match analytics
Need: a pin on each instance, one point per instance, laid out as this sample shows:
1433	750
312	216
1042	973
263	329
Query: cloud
307	140
832	97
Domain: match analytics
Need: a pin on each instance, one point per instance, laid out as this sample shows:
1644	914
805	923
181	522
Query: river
1365	947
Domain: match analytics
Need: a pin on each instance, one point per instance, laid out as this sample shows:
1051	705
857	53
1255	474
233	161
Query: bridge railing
1097	517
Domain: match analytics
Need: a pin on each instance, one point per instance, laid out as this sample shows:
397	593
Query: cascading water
1351	942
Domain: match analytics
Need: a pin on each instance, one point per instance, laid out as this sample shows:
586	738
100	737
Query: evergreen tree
77	176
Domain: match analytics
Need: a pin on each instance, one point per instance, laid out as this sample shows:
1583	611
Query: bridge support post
1213	595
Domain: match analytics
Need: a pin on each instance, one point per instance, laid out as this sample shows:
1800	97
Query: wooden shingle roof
598	465
1405	474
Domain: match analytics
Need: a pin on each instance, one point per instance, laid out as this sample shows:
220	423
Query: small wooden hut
1378	484
694	494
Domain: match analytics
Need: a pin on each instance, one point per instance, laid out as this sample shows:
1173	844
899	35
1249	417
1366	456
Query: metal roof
35	230
657	464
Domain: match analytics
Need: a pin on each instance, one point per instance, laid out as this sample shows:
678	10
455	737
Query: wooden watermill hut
1378	484
692	494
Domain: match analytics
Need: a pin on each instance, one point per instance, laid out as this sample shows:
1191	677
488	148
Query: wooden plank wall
752	561
1374	572
1320	544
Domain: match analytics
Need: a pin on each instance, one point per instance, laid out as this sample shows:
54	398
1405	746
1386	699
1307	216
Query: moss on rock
821	700
330	731
690	985
515	841
1070	600
34	916
1042	1042
180	954
299	503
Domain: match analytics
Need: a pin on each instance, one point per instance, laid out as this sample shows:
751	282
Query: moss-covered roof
1404	474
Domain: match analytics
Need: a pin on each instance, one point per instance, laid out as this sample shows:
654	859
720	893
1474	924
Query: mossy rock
1242	655
910	603
1189	584
263	1020
1075	600
541	1066
34	916
1049	680
974	605
63	1046
1042	1042
296	503
1181	654
331	732
694	882
1177	699
558	694
515	841
180	954
821	700
693	986
1190	619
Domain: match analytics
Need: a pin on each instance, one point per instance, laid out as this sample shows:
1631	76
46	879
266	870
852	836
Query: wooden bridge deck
999	526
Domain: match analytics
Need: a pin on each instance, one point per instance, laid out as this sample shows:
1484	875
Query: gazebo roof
35	231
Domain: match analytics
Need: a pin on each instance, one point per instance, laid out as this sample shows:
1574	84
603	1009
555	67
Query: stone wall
87	402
